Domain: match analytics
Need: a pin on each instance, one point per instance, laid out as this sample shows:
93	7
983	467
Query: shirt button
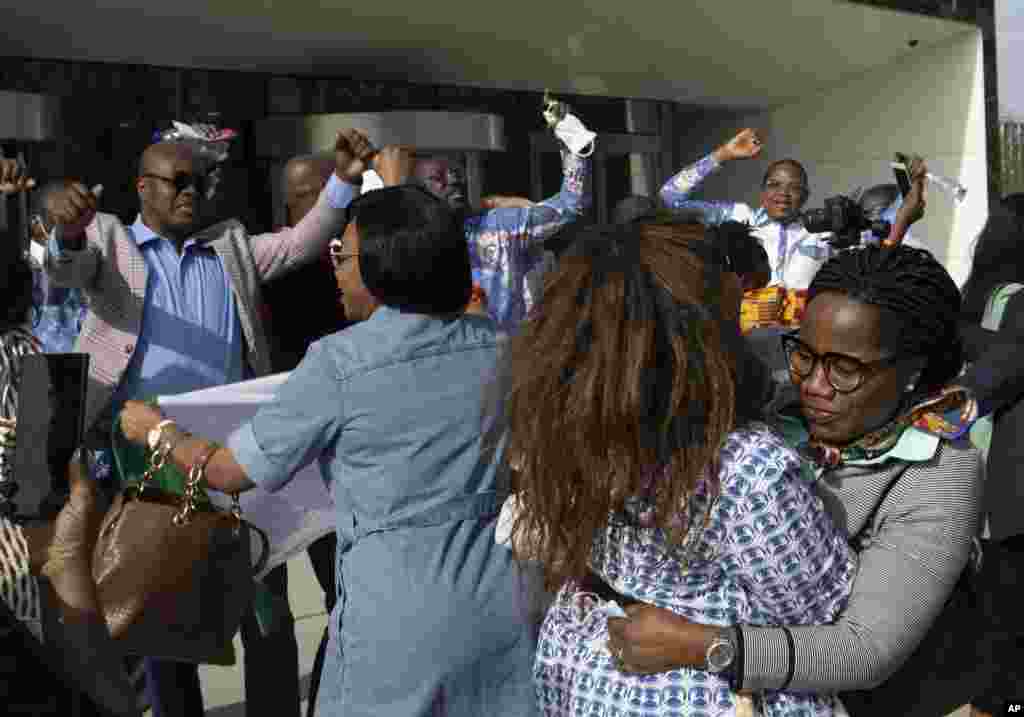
128	349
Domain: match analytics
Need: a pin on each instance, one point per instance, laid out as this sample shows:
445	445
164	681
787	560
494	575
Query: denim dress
432	616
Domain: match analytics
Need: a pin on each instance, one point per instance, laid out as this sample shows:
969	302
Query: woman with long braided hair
642	478
883	439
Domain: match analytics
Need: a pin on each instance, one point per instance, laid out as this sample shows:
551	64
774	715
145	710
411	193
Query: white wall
929	103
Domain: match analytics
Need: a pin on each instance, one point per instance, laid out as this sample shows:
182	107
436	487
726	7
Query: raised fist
745	145
14	177
73	207
352	153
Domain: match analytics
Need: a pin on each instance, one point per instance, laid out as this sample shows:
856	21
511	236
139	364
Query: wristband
737	673
792	659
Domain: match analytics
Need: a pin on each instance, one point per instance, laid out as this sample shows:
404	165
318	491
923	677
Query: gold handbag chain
196	475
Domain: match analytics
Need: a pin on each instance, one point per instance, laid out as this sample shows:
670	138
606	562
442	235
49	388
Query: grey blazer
113	273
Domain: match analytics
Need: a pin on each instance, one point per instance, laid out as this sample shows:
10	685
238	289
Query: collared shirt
390	406
506	245
191	337
914	445
794	253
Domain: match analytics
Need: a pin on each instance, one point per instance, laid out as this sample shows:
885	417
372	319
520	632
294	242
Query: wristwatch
157	433
721	654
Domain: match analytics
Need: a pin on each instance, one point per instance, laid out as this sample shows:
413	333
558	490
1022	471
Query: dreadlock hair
623	368
918	299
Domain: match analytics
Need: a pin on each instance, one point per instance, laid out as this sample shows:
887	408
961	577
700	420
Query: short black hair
413	253
918	299
743	252
787	163
875	200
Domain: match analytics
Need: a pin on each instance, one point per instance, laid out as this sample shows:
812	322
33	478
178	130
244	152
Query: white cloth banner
295	516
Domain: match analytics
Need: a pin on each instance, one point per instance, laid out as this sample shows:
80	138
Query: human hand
14	177
914	203
657	640
745	145
69	553
352	153
73	207
500	201
394	164
138	419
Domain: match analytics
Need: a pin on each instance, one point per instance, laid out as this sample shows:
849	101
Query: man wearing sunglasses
175	305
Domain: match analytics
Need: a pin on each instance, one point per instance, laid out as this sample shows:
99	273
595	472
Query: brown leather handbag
175	575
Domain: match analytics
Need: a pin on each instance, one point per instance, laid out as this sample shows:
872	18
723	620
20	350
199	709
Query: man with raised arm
506	237
174	305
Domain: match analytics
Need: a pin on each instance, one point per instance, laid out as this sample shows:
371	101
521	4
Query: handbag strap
196	476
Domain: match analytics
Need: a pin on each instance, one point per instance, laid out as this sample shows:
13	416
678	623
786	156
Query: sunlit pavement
223	690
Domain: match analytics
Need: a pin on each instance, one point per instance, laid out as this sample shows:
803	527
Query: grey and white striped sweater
912	525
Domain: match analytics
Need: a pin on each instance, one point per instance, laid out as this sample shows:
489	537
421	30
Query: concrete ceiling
728	53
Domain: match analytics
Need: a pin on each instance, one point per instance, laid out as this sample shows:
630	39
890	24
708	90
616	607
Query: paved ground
222	686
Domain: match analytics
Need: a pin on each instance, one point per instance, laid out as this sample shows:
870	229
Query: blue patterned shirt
506	245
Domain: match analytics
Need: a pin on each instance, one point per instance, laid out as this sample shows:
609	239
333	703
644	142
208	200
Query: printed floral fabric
57	314
769	555
949	414
506	244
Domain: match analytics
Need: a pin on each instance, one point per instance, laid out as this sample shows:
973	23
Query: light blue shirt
191	337
392	409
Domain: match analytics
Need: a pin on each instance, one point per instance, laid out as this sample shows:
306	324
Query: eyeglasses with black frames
844	373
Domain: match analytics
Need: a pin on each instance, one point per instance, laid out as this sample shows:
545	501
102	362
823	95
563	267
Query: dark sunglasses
844	373
183	180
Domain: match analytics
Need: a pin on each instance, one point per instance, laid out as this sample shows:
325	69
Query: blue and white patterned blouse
769	555
507	245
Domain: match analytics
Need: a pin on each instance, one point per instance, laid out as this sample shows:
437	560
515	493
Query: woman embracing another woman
754	581
643	479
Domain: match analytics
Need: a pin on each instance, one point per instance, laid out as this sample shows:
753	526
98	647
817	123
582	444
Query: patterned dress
769	555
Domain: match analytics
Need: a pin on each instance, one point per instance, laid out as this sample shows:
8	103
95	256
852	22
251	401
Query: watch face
720	655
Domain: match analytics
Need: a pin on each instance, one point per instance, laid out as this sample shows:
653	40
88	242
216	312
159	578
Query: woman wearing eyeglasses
884	446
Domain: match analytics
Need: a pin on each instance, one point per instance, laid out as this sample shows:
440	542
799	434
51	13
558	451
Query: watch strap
792	659
736	668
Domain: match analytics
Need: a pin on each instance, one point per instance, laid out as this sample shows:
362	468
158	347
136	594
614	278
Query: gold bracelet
204	459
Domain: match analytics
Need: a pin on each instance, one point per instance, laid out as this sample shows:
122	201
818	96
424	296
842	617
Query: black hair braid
919	301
